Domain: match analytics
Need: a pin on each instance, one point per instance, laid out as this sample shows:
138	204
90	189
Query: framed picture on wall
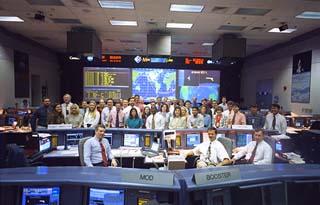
301	77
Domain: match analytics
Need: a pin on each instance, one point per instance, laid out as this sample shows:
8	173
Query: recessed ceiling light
123	23
277	30
179	25
116	4
309	15
207	44
11	19
186	8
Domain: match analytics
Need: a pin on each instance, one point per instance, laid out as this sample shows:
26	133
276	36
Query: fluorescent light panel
11	19
309	15
179	25
123	23
277	30
186	8
116	4
207	44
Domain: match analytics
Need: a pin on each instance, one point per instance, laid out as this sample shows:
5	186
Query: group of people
161	113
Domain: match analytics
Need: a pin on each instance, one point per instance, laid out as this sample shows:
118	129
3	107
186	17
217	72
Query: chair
227	143
80	149
272	142
315	125
16	156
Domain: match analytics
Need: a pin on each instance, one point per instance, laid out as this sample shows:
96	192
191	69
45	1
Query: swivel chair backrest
80	149
315	125
227	143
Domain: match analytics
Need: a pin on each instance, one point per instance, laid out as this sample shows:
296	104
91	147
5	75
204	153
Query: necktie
189	112
274	122
117	119
233	119
209	151
103	153
153	123
253	154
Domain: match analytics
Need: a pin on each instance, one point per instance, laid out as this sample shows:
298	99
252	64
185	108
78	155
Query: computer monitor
131	140
9	121
299	122
40	195
106	196
108	136
243	139
73	138
44	144
193	140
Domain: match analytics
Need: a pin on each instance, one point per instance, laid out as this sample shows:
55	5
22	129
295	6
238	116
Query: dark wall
72	74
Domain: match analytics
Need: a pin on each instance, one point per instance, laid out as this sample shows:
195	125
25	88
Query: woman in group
164	112
133	121
92	116
219	120
177	121
56	116
74	118
145	114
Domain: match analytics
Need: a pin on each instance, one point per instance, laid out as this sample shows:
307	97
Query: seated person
256	152
212	153
56	115
97	150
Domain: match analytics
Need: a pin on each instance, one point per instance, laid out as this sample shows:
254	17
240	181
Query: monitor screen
131	140
193	139
10	120
44	144
299	122
243	139
108	136
73	138
106	196
41	195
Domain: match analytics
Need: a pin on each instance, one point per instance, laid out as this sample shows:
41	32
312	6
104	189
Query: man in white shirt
256	152
130	106
66	105
106	112
229	110
212	153
195	120
276	121
223	103
97	150
155	120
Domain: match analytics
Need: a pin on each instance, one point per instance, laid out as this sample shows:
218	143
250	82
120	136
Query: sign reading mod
147	177
216	176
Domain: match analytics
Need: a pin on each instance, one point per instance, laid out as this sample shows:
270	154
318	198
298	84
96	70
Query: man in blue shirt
254	118
39	118
97	150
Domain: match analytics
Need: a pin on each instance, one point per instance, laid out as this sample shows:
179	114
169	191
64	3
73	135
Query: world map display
151	83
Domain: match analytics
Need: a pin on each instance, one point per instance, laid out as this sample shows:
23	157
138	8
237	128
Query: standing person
131	105
177	121
236	118
256	152
101	105
206	116
84	107
106	112
66	105
212	153
188	106
39	118
56	116
214	106
155	120
219	120
276	121
116	117
133	121
229	109
254	118
74	118
145	114
97	150
195	102
223	103
125	104
195	120
92	116
159	103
